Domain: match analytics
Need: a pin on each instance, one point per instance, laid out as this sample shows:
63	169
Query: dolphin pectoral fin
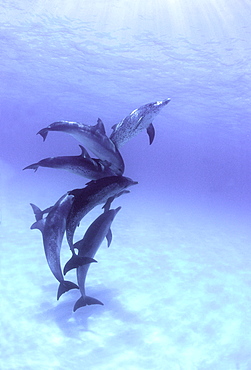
109	234
43	133
76	262
38	225
109	201
109	238
103	163
86	260
65	286
123	192
151	132
33	166
84	301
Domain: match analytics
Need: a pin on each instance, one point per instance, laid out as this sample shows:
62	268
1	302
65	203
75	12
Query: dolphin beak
131	181
164	102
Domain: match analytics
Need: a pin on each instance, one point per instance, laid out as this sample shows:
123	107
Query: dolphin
52	228
93	138
96	192
87	247
138	120
82	165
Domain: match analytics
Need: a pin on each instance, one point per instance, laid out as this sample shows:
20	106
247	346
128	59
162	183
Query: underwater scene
125	178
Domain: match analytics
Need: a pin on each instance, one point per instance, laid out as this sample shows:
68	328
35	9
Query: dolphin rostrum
82	165
96	192
93	138
52	228
87	247
137	121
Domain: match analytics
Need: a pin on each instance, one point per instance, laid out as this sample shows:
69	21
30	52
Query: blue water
175	282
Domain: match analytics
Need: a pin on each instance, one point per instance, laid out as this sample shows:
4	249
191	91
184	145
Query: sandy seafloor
175	284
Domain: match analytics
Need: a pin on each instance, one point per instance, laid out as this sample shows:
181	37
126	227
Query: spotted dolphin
96	192
87	247
52	228
138	120
82	165
93	138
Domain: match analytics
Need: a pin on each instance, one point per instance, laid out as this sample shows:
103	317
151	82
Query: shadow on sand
73	323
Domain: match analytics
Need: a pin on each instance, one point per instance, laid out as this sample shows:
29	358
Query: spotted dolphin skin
52	228
87	248
96	192
93	138
82	165
137	121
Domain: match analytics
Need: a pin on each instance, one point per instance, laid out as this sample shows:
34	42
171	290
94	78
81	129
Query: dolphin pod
107	183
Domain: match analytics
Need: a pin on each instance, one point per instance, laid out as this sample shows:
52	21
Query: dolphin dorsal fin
37	212
100	126
151	132
84	152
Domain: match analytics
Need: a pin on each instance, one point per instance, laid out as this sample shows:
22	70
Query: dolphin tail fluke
64	286
84	301
43	133
77	261
151	132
